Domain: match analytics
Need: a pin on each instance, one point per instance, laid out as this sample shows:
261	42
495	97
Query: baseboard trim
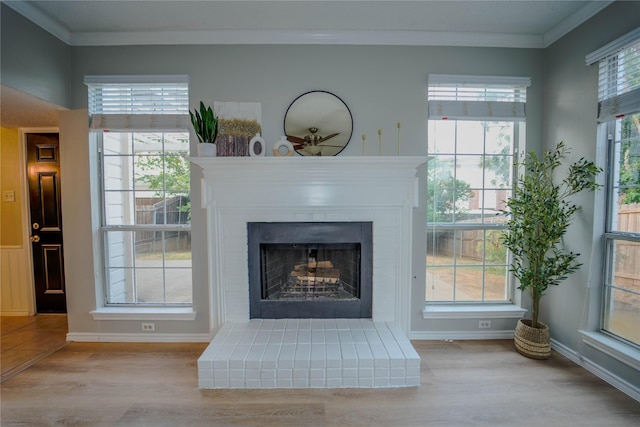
146	337
461	335
16	313
597	370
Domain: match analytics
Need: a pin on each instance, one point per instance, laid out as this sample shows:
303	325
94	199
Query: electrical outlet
148	327
484	324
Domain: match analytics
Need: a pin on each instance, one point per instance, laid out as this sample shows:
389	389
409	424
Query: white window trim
133	79
462	310
472	311
612	347
612	47
607	344
115	310
143	313
459	79
141	123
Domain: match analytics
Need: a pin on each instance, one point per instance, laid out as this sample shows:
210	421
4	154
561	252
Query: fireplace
310	196
310	269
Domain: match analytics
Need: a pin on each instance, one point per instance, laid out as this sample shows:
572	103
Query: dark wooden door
43	165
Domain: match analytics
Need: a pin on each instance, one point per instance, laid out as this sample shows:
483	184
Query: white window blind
619	76
143	103
458	97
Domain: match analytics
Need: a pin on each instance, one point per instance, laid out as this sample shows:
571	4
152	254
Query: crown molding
304	37
307	37
573	21
41	19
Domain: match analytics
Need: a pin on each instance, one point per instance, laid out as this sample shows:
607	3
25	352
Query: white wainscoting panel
15	282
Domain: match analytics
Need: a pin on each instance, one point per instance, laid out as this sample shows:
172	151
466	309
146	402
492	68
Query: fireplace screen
310	270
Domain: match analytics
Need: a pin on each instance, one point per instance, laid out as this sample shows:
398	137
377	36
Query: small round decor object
257	146
281	145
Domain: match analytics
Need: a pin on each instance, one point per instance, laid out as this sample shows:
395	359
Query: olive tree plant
540	212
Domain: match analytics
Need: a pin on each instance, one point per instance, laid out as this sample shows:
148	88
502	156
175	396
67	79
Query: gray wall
33	60
382	85
570	106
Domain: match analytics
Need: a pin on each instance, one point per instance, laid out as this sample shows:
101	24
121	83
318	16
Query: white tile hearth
309	353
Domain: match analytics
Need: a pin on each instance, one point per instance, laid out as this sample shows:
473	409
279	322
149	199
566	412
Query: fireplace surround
310	269
307	352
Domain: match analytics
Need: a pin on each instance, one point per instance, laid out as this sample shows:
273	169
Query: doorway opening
43	175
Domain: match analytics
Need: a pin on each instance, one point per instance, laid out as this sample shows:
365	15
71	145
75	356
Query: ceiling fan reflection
311	143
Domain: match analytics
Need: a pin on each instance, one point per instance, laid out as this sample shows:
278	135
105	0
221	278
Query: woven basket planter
534	343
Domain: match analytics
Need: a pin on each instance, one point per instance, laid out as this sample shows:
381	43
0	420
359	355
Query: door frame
26	208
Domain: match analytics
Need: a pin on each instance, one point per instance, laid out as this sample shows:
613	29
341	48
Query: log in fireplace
310	269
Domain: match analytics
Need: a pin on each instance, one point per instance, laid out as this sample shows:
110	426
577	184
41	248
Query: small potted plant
205	124
540	213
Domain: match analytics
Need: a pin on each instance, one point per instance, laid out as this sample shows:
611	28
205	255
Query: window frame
611	105
609	236
173	120
106	228
506	308
456	226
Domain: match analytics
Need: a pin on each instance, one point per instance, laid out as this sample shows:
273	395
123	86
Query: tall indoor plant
540	212
205	124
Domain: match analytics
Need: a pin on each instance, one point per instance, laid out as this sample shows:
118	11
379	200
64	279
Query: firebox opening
314	271
310	270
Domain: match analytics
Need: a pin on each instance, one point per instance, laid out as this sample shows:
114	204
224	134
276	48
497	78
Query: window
619	118
140	124
476	125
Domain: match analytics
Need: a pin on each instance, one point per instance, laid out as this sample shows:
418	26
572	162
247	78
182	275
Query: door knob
35	225
35	239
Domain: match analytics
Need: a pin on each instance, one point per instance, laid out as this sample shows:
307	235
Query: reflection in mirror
318	123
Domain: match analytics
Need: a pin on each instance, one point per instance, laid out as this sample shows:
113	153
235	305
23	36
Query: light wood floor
464	383
26	340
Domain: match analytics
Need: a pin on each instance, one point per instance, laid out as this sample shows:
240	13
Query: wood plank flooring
464	383
25	340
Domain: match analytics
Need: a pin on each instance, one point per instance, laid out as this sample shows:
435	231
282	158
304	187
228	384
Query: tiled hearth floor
309	353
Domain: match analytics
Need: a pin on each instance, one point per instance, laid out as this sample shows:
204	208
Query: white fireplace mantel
238	190
309	181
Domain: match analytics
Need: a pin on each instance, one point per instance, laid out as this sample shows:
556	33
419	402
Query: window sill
468	311
144	313
613	348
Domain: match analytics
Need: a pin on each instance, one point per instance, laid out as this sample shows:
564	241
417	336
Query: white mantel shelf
311	181
313	161
313	167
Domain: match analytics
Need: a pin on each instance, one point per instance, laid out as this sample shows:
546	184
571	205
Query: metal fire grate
314	281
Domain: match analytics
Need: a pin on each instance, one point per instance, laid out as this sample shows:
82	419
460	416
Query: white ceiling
490	23
506	23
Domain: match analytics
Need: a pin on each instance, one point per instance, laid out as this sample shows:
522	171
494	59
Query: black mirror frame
301	151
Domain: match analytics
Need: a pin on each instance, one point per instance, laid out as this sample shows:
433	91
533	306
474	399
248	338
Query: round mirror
318	123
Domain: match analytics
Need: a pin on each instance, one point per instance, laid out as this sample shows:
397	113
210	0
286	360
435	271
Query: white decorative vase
280	144
206	149
257	146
